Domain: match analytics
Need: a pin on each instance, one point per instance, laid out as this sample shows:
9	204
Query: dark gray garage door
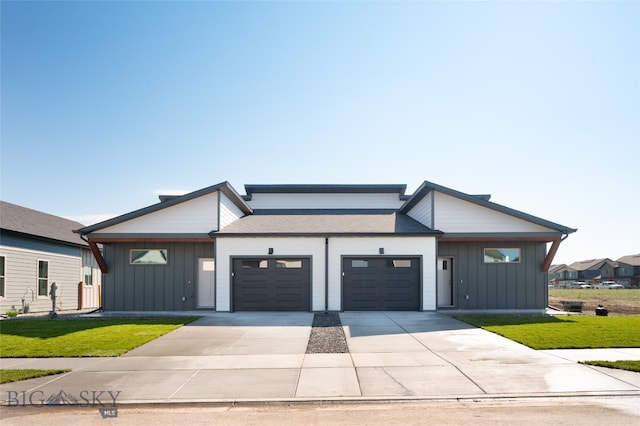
381	284
271	284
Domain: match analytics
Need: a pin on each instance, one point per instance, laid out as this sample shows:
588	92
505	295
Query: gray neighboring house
37	249
628	270
326	248
595	270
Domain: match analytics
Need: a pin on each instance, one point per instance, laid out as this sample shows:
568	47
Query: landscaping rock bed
327	335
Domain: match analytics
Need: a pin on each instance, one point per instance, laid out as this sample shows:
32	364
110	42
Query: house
595	270
325	248
38	249
628	270
559	275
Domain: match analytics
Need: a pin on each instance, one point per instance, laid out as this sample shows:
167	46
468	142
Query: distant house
325	248
595	269
37	249
560	274
628	270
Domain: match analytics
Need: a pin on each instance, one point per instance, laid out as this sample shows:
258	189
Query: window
289	264
43	277
359	263
149	256
399	263
1	276
501	255
88	275
254	264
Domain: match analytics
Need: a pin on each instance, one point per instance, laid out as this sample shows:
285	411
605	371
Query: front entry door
445	281
206	283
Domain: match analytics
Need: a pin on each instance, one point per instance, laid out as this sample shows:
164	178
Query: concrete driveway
261	356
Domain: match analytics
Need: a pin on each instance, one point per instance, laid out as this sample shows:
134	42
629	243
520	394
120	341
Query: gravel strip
327	335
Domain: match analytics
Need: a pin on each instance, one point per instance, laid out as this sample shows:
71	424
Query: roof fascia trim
427	187
224	187
251	189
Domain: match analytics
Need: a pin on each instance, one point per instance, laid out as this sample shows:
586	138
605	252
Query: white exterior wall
229	212
21	279
406	246
455	215
259	247
423	211
325	201
199	215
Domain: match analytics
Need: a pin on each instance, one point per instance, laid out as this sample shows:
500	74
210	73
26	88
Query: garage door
381	284
271	284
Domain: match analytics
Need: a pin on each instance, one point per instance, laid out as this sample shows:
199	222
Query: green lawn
566	332
621	365
81	337
632	295
8	376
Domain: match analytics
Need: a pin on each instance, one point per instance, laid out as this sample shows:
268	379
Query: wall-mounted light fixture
381	250
270	250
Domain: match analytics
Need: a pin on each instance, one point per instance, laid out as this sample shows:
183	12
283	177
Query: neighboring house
628	270
325	248
37	249
595	269
559	275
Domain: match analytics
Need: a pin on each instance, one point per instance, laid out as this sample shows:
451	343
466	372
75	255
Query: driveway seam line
184	384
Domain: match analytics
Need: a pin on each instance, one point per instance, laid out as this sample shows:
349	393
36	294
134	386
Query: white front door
206	284
445	281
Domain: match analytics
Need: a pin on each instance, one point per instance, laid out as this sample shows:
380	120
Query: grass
570	332
81	337
621	365
8	376
596	293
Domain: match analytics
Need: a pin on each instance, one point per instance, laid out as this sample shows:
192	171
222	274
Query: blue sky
104	105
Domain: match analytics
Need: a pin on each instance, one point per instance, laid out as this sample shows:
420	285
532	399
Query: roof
27	222
326	222
591	264
632	259
481	200
168	201
324	189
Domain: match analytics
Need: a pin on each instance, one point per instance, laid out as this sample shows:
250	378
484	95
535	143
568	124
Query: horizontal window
149	256
254	264
359	263
501	255
289	263
399	263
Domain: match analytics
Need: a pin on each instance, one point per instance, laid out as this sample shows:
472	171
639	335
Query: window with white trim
88	275
43	277
149	256
1	276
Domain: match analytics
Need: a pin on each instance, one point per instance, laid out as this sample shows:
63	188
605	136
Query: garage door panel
381	283
272	284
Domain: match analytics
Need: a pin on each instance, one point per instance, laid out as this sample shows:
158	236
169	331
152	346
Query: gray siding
497	286
21	278
152	287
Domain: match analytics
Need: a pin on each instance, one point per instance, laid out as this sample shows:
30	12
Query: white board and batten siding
21	279
453	215
405	247
312	247
229	212
199	215
325	201
423	211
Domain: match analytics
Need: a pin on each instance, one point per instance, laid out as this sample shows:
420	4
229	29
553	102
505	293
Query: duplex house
37	249
325	248
595	269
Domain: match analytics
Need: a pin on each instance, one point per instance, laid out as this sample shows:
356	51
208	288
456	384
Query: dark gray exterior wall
129	287
491	286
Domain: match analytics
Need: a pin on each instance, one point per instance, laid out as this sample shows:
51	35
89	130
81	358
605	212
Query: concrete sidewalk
393	355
